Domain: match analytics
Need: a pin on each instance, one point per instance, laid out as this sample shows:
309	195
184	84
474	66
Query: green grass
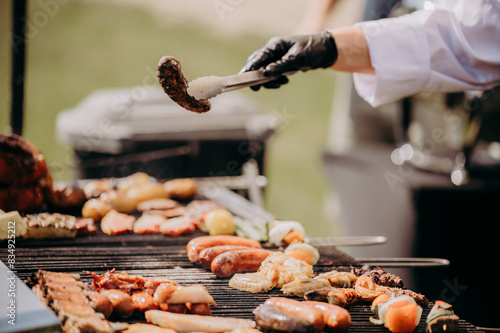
87	46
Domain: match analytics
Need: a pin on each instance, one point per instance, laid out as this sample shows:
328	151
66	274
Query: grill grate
157	256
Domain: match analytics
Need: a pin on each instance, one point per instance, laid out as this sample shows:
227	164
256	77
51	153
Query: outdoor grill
159	256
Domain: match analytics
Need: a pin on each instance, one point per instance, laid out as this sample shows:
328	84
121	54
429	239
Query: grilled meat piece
64	294
157	204
25	182
23	198
337	296
380	277
148	224
419	298
143	301
21	162
181	188
271	318
238	261
302	285
115	223
339	279
251	282
175	85
51	225
121	281
122	302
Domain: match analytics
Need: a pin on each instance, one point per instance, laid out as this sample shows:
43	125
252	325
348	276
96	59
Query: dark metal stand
18	52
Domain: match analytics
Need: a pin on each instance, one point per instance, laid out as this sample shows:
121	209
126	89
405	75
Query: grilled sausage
206	256
299	308
271	318
196	245
231	262
175	85
122	302
335	317
319	313
202	309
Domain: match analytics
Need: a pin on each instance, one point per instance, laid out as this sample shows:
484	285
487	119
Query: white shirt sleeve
454	47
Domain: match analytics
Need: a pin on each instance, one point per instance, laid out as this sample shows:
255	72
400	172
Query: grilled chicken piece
251	282
281	269
300	286
148	224
339	279
181	188
196	323
114	223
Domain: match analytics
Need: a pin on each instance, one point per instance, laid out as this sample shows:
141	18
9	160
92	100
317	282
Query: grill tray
158	256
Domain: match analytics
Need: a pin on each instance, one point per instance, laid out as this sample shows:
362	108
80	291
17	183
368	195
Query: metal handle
249	79
348	241
404	262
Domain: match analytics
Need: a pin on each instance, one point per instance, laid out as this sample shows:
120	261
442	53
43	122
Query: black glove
292	53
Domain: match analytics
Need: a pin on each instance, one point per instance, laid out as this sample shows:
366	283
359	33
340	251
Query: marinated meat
63	293
380	277
148	224
25	182
175	85
115	223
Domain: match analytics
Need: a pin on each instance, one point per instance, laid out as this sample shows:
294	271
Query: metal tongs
210	86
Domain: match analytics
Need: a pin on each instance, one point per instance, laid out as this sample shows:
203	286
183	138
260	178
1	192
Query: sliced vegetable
255	229
402	318
219	222
441	318
379	299
398	314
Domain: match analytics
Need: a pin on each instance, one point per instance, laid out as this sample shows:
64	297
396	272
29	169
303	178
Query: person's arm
343	49
443	50
352	49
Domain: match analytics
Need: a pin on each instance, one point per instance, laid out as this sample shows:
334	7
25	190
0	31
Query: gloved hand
292	53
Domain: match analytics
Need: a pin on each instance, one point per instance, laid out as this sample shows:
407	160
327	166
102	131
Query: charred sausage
196	245
206	256
271	318
299	308
175	85
232	262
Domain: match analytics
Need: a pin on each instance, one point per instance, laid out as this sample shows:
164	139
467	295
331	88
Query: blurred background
76	47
